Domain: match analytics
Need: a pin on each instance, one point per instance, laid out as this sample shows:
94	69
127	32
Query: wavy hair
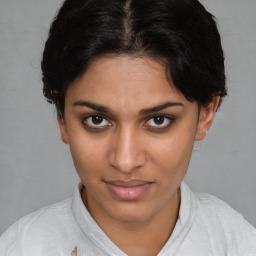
181	32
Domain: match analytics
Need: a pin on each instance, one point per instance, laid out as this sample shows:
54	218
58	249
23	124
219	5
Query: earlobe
62	128
206	118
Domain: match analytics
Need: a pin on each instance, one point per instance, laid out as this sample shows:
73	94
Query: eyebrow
97	107
160	107
104	109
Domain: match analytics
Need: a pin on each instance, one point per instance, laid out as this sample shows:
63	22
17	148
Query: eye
159	121
96	121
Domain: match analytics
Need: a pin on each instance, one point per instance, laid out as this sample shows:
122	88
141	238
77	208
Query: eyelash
85	120
169	119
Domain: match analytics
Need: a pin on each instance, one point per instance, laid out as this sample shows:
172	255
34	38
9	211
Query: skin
74	252
127	144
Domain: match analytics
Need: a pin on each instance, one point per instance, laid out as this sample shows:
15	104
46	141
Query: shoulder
217	208
225	222
37	227
44	216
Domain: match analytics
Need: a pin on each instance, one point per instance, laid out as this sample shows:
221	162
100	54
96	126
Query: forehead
125	81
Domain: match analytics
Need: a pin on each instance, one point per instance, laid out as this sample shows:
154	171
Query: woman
135	83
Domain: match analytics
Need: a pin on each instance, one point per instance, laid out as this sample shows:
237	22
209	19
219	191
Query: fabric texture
206	227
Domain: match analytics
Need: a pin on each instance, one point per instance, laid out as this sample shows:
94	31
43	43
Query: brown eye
159	121
96	121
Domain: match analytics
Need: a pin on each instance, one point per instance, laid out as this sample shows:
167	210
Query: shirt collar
96	235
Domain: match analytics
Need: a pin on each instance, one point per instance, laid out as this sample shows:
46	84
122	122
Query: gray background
36	168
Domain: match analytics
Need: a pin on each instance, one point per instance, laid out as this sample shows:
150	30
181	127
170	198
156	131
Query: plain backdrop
36	167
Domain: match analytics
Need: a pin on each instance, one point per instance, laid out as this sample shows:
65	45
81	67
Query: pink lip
128	190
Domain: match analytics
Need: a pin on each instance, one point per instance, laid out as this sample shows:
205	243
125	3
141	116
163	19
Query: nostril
124	165
128	164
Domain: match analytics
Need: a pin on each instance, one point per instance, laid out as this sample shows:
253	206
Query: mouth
128	190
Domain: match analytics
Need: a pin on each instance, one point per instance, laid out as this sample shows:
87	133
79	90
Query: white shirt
206	227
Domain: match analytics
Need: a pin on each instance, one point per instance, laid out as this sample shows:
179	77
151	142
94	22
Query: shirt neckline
96	235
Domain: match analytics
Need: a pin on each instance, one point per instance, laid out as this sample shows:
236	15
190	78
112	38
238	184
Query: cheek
88	157
172	154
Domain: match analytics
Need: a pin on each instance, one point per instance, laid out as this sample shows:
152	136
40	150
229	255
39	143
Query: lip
128	190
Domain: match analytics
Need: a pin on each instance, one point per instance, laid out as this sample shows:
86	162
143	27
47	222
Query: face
131	135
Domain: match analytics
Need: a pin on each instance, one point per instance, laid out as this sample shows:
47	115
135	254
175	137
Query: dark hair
180	31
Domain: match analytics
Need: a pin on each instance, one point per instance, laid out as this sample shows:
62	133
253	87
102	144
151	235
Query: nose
127	153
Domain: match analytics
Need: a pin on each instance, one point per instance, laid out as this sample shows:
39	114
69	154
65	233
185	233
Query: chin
130	214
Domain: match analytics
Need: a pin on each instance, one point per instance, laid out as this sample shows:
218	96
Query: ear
206	118
62	127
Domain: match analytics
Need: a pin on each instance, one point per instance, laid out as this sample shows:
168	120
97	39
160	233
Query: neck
140	238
